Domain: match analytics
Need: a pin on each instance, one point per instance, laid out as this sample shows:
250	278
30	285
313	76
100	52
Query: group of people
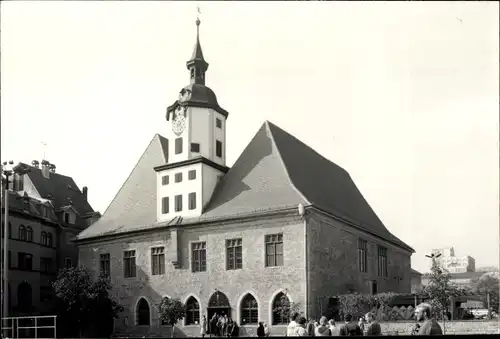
220	325
300	327
366	326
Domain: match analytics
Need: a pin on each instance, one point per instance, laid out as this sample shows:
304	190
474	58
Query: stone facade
318	263
333	262
450	327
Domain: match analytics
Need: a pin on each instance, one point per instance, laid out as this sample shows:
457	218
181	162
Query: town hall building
282	222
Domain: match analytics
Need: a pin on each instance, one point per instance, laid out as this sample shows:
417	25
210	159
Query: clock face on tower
179	122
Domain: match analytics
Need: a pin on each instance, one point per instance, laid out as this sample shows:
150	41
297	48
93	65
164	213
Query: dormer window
178	146
218	123
66	217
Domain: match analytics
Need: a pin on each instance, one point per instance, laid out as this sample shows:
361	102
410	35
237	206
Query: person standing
350	327
290	329
429	325
203	326
372	325
260	330
322	330
300	330
334	329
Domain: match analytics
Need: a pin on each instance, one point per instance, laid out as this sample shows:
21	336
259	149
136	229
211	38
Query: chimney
84	191
35	163
45	169
52	168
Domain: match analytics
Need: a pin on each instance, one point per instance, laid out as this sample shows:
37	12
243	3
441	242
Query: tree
286	308
83	303
170	311
489	284
440	289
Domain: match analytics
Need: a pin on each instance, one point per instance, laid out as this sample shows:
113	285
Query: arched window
281	309
142	313
192	311
43	238
22	232
249	310
49	239
29	233
24	296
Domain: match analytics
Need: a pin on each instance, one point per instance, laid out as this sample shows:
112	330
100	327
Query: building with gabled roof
46	211
282	222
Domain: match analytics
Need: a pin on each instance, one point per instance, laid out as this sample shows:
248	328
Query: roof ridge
309	147
132	171
285	169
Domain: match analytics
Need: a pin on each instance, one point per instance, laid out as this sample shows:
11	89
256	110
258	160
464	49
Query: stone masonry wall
262	282
333	262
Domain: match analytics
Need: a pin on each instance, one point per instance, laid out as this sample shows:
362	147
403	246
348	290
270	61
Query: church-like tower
196	133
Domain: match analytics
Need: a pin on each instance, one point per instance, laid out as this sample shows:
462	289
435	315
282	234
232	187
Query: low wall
450	327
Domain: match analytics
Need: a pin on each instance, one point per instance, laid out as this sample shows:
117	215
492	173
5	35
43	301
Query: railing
30	327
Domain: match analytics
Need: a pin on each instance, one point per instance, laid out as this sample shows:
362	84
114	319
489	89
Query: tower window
178	146
195	147
218	148
218	123
192	201
178	203
165	205
192	73
178	177
192	175
165	180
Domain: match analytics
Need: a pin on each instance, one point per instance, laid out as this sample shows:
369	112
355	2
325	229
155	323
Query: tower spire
197	65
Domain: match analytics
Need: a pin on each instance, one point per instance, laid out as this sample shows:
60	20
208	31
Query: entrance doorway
218	303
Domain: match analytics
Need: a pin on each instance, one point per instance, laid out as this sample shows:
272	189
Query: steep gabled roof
327	185
135	203
60	188
275	171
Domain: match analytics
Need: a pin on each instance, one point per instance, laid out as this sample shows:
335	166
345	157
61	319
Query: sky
403	95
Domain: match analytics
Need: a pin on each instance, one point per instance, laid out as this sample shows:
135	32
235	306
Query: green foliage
489	284
286	308
440	289
170	311
359	304
84	303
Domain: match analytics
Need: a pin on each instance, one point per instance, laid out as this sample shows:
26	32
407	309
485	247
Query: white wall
210	180
184	187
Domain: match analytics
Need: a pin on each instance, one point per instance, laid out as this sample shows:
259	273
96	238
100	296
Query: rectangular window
178	177
66	218
45	293
158	260
67	262
178	203
218	123
382	261
362	255
46	265
192	175
218	148
129	264
195	147
24	261
234	254
199	256
165	180
274	249
105	265
192	201
178	146
165	205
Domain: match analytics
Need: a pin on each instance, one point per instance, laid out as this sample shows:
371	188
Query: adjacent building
416	281
46	210
283	221
452	263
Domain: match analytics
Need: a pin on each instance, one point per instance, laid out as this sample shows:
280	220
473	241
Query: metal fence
30	327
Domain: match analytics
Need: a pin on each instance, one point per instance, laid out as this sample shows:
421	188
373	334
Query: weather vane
198	12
